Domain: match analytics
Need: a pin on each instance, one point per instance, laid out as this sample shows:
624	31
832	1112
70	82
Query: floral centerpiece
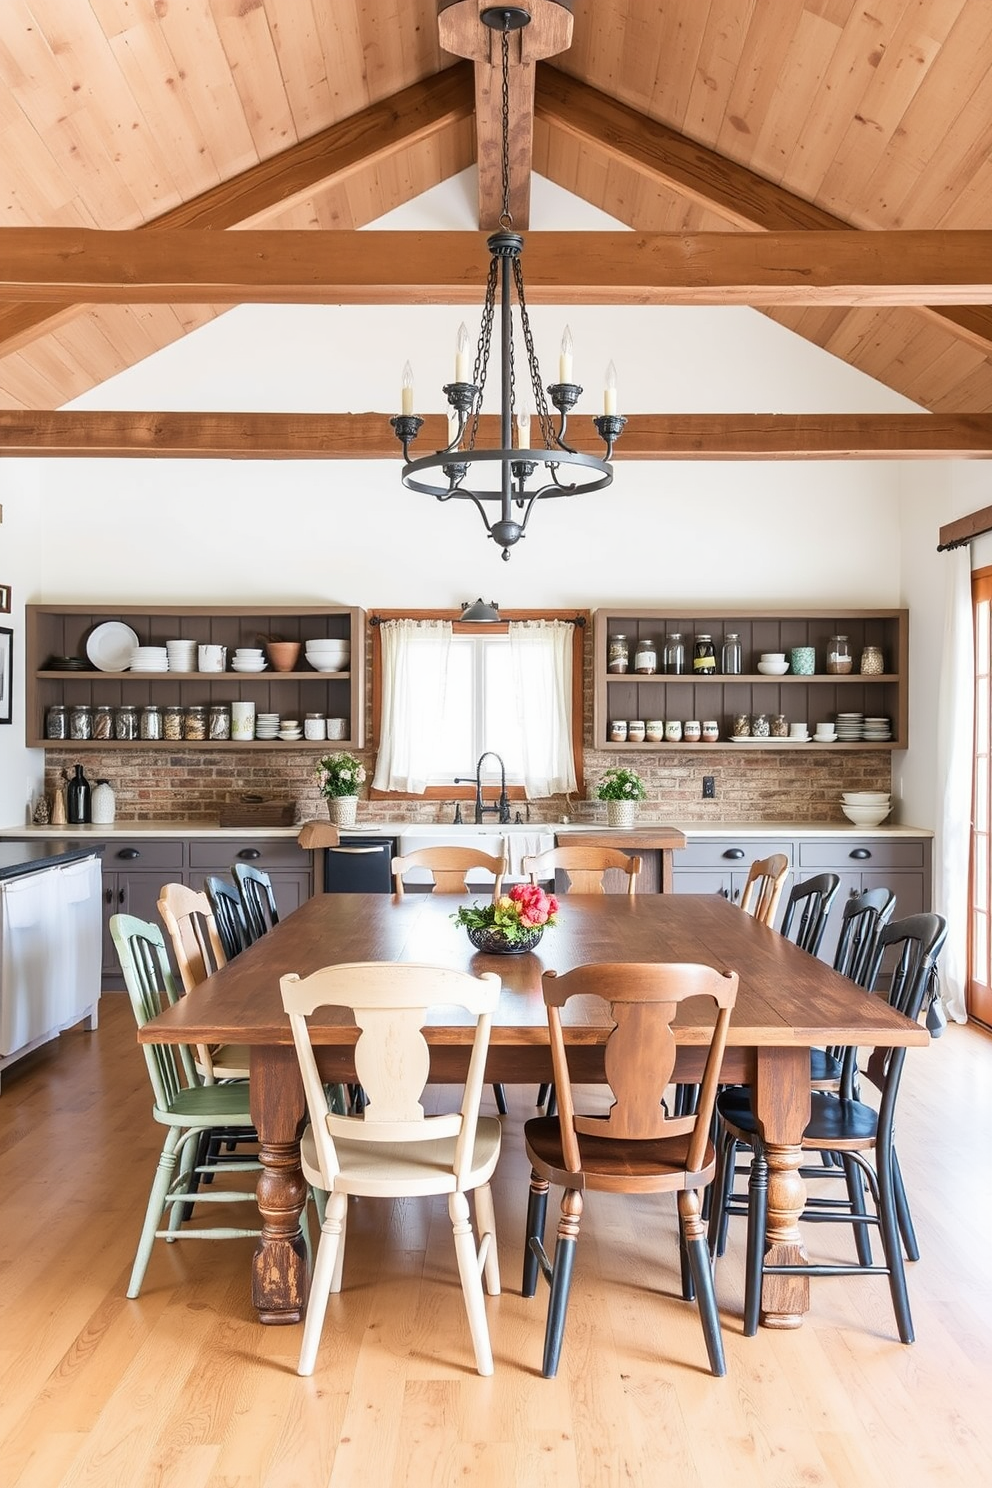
621	789
514	923
340	776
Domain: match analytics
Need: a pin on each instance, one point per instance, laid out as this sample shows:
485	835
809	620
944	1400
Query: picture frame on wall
6	674
4	599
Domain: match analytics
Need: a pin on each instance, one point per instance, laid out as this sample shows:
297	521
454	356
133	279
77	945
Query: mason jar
57	722
703	657
151	722
839	658
195	722
126	722
219	723
646	657
617	654
674	654
80	721
103	722
173	721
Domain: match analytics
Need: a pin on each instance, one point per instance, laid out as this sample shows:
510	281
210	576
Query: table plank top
785	997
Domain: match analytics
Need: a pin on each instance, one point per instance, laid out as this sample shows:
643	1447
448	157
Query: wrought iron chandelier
462	471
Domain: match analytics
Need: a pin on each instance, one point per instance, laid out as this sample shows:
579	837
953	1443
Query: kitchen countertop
692	830
47	852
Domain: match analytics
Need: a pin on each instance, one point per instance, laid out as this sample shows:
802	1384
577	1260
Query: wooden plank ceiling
672	115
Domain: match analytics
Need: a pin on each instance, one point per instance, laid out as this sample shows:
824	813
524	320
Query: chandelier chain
506	216
541	402
481	365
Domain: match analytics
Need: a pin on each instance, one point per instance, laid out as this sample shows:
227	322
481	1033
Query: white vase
621	813
341	810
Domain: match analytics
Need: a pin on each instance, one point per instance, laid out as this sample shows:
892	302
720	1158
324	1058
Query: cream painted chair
449	867
393	1149
763	887
196	944
585	867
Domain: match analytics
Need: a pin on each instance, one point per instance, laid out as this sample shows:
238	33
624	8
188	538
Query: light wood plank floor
183	1389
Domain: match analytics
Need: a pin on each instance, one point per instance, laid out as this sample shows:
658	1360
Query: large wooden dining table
787	1002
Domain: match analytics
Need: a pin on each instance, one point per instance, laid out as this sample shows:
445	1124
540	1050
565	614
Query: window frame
579	618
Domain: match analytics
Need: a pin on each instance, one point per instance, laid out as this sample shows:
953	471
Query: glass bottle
80	721
730	654
103	722
645	657
57	722
674	654
839	659
151	721
77	799
703	657
618	654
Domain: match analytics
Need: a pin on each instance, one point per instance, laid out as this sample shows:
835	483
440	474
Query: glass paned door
979	946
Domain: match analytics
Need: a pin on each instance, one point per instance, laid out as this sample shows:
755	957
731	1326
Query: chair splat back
863	918
232	925
763	888
192	929
449	867
808	907
257	898
919	939
151	987
586	867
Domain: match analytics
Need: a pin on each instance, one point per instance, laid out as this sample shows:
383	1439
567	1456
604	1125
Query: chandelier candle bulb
461	356
406	390
565	359
610	390
523	427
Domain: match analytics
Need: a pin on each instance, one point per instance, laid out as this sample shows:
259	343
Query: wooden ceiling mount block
473	29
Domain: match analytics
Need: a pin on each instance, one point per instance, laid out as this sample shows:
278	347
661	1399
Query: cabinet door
135	893
291	890
698	881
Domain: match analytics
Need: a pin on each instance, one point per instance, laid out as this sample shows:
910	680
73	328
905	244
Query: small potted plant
515	923
340	775
621	789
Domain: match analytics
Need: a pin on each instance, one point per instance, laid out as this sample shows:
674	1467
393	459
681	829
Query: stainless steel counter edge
756	831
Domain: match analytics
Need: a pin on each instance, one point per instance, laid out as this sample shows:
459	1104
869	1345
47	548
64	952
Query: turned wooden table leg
280	1280
782	1106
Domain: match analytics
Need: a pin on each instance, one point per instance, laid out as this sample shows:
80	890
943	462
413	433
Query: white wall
23	539
775	533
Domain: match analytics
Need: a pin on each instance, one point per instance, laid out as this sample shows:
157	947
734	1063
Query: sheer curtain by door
541	654
414	672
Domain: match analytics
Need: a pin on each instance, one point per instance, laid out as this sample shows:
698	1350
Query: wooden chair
763	887
808	907
191	1110
392	1149
637	1147
257	898
196	944
585	867
229	915
449	867
847	1126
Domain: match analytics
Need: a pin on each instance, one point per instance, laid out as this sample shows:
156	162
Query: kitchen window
459	691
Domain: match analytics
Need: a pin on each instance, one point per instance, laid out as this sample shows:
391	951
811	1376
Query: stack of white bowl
866	808
249	659
149	659
773	664
266	725
182	655
329	655
290	730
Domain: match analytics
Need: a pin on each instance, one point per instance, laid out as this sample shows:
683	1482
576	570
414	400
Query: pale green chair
192	1111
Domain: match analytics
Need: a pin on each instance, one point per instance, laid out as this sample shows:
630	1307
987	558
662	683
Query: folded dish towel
520	845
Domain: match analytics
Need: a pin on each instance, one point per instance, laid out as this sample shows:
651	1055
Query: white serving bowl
865	816
773	668
772	656
328	645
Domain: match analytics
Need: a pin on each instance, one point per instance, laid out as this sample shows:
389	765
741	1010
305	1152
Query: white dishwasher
50	954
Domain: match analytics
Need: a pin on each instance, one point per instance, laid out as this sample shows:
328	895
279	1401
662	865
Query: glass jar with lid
80	721
760	726
646	657
173	720
57	722
839	659
151	721
618	654
703	657
195	722
674	654
103	722
872	661
778	727
730	654
219	722
126	723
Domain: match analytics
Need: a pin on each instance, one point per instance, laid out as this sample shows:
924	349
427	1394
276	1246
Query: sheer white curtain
955	757
541	656
414	672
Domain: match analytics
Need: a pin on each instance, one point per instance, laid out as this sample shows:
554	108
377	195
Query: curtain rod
579	620
957	534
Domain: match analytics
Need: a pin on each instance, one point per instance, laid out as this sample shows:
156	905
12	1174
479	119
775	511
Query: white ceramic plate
110	646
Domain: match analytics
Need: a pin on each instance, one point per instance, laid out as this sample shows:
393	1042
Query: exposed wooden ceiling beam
368	436
363	141
71	265
621	135
547	34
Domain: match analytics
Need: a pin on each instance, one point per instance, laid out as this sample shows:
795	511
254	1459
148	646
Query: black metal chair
808	907
225	901
258	902
844	1125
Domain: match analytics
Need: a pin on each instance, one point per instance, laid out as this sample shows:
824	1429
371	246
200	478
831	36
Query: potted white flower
340	775
621	789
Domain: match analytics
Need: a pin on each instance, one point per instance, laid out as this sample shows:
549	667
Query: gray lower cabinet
134	871
286	863
710	865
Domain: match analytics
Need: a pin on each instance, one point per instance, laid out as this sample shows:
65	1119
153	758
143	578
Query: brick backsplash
751	785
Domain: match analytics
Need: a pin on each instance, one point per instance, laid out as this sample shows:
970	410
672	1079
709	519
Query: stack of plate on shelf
866	808
877	729
248	659
182	655
329	655
290	730
266	725
149	659
65	664
849	727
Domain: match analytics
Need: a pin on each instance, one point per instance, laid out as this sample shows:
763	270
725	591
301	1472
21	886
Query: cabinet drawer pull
121	896
355	852
109	896
129	853
250	852
734	852
859	852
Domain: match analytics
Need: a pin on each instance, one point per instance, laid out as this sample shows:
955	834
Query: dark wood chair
807	909
637	1147
229	916
763	887
258	902
852	1129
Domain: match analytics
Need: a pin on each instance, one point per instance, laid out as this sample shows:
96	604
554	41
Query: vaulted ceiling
671	115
